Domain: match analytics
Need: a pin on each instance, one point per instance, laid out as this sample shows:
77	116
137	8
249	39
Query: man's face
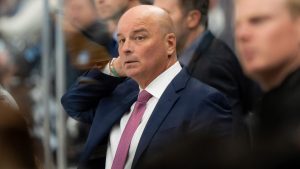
142	48
111	9
266	36
178	18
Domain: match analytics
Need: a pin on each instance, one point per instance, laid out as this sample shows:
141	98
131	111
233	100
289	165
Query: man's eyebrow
118	34
140	30
135	31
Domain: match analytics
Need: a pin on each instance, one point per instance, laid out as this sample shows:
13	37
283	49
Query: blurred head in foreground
267	37
16	143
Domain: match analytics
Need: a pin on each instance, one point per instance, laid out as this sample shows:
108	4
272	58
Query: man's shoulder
197	92
196	87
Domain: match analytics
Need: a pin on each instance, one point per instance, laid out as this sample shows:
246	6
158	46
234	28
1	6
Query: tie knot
144	96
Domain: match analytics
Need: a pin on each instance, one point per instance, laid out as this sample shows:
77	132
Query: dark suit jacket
277	131
278	111
186	106
215	64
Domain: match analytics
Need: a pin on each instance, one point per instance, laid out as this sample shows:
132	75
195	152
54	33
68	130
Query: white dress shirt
156	88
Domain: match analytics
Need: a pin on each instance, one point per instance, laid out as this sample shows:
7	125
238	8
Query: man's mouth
130	62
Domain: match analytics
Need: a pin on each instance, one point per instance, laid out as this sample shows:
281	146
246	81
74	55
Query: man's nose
100	1
242	32
127	47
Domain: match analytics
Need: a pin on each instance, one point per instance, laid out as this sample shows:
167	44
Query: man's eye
120	41
139	38
259	20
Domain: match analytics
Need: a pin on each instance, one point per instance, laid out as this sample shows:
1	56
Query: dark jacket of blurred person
278	131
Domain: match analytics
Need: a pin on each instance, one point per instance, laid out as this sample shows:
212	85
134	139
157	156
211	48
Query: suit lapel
162	109
101	129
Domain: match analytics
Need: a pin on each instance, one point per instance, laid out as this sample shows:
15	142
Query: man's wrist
112	69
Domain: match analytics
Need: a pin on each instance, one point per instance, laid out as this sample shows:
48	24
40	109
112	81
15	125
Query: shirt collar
160	83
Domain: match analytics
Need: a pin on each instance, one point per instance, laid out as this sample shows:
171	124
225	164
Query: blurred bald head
267	34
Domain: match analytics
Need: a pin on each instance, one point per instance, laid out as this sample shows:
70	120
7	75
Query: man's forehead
250	8
137	25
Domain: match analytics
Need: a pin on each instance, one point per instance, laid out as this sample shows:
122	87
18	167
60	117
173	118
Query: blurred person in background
99	27
109	12
210	59
267	34
22	28
8	7
86	32
83	53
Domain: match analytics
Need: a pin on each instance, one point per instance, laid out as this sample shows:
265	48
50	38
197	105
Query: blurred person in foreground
173	102
16	143
211	60
267	34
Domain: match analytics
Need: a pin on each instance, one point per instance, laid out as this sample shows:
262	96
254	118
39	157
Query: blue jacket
186	106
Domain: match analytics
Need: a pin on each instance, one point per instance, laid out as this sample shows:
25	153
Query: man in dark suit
267	33
211	60
178	104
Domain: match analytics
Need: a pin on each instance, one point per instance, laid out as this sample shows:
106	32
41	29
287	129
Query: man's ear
171	43
193	19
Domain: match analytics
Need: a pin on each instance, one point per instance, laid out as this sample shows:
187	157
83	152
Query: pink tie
131	126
